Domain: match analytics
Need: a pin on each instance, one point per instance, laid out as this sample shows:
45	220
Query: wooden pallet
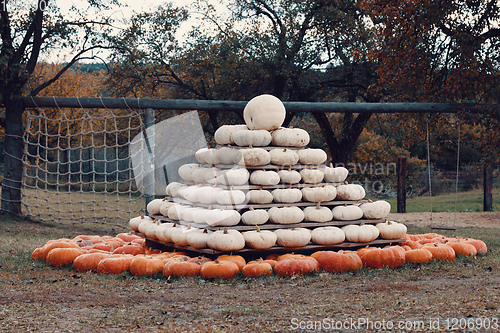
249	253
269	226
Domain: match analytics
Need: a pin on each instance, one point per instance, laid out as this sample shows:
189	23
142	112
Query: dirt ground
459	296
450	220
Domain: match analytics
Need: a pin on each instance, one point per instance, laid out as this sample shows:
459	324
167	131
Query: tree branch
37	38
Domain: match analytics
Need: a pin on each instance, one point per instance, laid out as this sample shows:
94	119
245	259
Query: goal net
77	166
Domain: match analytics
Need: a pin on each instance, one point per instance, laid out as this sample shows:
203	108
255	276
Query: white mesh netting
77	165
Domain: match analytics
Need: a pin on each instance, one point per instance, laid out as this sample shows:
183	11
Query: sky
119	14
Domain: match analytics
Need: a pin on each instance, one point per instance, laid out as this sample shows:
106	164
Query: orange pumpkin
269	261
441	251
133	249
89	261
59	243
296	266
316	254
128	237
200	260
273	256
418	256
339	262
480	246
141	266
115	265
412	244
290	256
463	249
257	268
225	269
37	253
238	260
181	268
391	256
62	256
363	250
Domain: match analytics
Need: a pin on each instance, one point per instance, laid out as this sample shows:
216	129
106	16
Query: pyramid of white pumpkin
257	165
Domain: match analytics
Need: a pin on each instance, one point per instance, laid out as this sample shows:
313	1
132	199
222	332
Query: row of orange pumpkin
127	252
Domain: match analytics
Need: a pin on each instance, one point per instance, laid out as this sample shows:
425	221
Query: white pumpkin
347	213
226	240
311	156
198	238
263	177
294	237
319	194
173	187
200	216
327	235
189	192
259	197
256	138
290	137
228	155
236	176
335	175
289	176
391	230
260	239
287	195
264	112
312	176
174	212
153	207
284	157
224	134
255	157
207	156
179	235
362	233
147	228
222	217
164	207
187	213
201	175
231	197
186	171
211	175
350	192
318	214
167	232
254	216
207	194
134	222
160	230
286	215
375	210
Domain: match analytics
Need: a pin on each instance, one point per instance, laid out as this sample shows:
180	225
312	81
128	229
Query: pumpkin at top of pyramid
264	112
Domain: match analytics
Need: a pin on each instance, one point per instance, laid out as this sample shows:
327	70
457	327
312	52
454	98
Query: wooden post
401	185
488	188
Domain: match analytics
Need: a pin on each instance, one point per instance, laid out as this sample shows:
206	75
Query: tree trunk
13	157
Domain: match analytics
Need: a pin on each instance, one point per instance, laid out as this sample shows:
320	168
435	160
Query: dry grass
36	297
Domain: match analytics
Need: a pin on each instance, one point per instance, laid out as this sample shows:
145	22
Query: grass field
36	297
470	201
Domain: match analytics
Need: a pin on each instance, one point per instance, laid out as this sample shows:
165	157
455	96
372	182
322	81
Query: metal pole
149	178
